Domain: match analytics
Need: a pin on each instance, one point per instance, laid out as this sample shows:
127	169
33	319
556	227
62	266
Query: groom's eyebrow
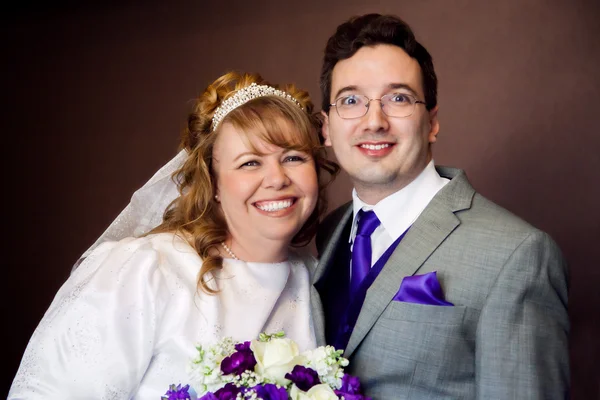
405	87
351	88
391	86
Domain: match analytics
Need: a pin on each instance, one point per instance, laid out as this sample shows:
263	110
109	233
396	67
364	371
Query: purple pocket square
422	289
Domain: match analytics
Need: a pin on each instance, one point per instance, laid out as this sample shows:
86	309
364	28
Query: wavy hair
195	214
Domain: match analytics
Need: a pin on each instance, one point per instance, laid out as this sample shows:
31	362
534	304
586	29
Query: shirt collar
399	210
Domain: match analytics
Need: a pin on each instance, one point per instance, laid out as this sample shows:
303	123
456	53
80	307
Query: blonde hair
195	214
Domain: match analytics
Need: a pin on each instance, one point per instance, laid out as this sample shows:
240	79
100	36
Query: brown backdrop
95	97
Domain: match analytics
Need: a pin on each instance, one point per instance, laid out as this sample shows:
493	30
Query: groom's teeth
374	146
274	205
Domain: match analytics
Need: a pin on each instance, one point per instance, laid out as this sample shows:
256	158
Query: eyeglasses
399	105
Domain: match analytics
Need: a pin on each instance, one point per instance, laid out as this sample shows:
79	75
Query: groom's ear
325	129
434	125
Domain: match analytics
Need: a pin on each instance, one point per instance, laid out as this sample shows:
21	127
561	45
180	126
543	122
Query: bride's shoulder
163	251
159	242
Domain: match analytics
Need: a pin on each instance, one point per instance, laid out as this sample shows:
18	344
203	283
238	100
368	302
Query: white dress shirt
399	210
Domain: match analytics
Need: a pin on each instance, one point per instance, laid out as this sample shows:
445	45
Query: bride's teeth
275	205
374	146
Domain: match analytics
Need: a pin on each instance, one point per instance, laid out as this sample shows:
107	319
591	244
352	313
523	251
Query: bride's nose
275	176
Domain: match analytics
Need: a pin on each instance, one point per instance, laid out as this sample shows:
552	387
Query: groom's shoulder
479	216
470	206
330	223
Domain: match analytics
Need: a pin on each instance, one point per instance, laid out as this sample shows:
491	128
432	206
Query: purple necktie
361	250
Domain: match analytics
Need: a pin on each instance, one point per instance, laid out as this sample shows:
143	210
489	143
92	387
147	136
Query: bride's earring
217	198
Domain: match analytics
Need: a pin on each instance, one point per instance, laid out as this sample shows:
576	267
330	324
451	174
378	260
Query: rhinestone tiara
243	96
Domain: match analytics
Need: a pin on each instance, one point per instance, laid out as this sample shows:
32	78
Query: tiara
243	96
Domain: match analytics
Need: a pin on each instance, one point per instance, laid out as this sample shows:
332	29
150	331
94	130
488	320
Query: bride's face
266	192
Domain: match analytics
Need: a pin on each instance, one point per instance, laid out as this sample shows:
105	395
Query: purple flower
227	392
209	396
177	393
240	361
268	391
351	396
351	389
350	384
245	346
303	377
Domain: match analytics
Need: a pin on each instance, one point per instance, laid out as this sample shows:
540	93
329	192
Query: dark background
95	95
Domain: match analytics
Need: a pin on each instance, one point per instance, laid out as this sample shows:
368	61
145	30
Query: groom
432	290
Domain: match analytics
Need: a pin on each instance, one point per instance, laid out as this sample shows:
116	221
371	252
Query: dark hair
371	30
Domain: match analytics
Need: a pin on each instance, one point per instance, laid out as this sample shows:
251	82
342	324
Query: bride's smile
266	192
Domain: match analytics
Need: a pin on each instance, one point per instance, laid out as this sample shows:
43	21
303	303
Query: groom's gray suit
506	335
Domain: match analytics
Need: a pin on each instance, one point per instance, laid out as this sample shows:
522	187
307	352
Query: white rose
297	394
276	358
317	392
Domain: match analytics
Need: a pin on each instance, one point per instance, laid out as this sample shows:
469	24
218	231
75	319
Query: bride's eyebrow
246	153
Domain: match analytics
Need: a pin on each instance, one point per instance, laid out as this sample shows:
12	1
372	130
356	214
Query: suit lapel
326	262
337	238
318	316
432	227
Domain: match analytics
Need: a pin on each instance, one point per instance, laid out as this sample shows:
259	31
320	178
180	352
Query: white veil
146	208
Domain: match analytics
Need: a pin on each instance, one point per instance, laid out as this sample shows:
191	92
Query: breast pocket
411	312
434	335
413	347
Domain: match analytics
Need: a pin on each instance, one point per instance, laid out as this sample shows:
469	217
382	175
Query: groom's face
381	154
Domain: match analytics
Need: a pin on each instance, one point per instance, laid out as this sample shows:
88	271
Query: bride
245	187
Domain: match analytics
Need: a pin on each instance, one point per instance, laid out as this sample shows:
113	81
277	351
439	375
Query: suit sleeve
522	335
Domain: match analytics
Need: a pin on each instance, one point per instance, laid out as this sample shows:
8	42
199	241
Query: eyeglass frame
367	106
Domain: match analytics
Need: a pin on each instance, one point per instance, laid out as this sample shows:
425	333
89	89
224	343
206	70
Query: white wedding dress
125	324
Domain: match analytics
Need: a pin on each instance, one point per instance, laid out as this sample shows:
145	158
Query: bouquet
270	368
